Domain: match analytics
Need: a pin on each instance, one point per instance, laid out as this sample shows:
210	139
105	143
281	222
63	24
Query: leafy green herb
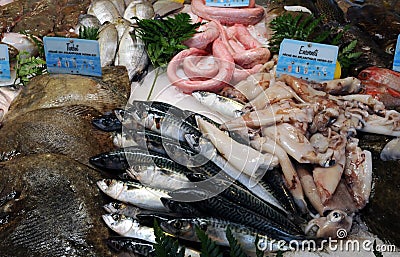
208	247
37	41
165	246
346	56
293	27
236	249
90	33
163	37
27	67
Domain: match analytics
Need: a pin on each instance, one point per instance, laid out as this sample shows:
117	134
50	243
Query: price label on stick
5	74
228	3
72	56
396	61
307	60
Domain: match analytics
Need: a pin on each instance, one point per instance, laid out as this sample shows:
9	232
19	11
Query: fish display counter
207	133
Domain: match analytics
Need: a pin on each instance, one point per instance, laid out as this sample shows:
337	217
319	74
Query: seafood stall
199	128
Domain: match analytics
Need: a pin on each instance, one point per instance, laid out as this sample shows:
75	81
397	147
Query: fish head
179	207
110	161
119	223
107	122
367	74
110	187
114	207
180	227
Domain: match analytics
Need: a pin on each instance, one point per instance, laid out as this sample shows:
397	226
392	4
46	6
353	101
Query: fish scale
184	228
244	198
225	209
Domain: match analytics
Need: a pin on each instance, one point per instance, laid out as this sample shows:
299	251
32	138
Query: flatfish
63	130
48	91
50	206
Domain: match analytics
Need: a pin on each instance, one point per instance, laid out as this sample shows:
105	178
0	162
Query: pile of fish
118	42
49	204
166	170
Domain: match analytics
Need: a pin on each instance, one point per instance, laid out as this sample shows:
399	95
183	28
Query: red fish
382	83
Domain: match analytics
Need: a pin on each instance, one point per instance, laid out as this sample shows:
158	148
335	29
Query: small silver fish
132	54
108	43
162	178
134	193
221	104
104	10
141	10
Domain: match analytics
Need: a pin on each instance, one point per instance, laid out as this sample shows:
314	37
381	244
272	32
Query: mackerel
184	228
134	193
224	209
246	199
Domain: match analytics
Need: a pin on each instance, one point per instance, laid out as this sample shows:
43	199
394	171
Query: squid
332	225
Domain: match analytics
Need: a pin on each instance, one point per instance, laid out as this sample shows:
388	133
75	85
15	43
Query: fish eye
363	75
336	216
177	225
390	49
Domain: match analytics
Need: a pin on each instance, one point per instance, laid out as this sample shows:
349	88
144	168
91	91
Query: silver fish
119	5
104	10
141	10
108	43
122	209
132	54
134	193
162	178
223	105
129	227
166	7
121	25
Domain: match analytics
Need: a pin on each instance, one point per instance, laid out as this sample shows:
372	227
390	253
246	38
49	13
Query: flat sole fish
63	130
50	207
48	91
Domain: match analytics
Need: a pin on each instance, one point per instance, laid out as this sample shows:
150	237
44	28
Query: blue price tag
228	3
5	74
307	60
396	61
72	56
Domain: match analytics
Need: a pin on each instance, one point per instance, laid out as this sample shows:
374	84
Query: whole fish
132	54
134	212
51	91
238	195
108	44
67	131
141	10
122	159
382	83
104	10
223	105
159	176
44	201
224	209
134	193
184	228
